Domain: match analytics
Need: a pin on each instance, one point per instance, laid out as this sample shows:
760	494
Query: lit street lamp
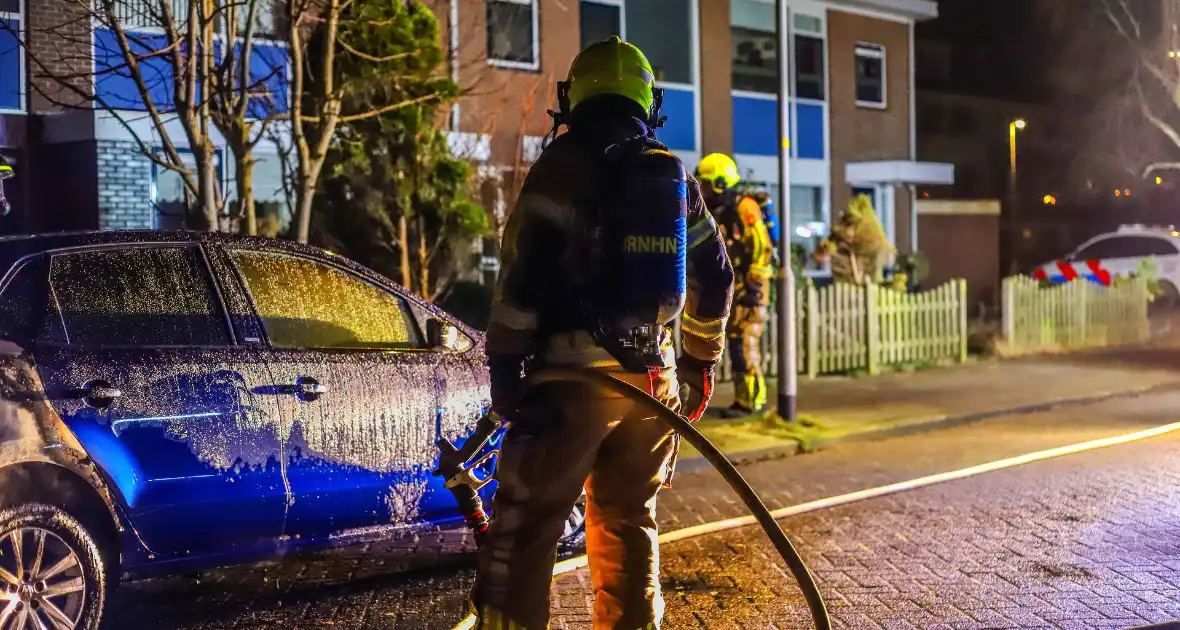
1014	226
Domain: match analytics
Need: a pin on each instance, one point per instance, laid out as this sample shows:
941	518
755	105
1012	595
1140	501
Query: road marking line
572	564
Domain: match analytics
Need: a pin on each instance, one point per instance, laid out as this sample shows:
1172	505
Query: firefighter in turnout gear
609	241
751	251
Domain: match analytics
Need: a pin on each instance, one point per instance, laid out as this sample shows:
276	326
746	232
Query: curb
739	458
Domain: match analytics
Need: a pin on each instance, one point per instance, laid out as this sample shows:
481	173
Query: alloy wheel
42	584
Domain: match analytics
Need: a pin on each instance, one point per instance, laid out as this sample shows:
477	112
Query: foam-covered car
177	400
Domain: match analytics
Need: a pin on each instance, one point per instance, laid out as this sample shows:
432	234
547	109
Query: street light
788	376
1014	126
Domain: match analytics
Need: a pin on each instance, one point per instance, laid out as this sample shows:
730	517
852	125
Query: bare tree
244	105
177	63
1118	67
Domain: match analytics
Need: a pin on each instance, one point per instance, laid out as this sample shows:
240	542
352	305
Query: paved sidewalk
841	408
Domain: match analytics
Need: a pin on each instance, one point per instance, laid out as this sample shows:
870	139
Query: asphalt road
1085	541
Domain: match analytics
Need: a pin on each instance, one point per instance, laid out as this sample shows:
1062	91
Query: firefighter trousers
567	436
744	336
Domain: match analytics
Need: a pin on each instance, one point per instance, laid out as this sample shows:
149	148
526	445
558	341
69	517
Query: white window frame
868	50
180	13
535	64
621	4
21	16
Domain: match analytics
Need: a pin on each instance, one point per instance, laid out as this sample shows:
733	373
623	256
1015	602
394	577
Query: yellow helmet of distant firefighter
719	171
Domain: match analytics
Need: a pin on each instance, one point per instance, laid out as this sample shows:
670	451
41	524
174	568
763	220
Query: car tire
52	568
1168	300
575	526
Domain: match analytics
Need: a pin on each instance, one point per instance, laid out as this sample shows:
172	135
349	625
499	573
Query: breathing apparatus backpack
635	282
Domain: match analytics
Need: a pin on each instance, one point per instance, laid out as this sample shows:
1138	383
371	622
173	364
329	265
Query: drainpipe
913	217
454	27
913	142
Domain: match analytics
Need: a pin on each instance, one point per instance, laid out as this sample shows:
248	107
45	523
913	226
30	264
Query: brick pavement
1086	541
391	584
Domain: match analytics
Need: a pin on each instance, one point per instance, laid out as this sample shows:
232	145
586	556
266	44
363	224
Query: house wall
865	133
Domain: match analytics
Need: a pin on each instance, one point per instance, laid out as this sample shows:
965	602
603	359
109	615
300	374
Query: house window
512	34
870	75
11	57
170	199
147	14
266	23
755	60
809	67
599	19
809	224
663	31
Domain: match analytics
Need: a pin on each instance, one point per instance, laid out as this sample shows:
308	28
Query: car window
1151	246
1127	247
308	304
1105	248
144	296
23	300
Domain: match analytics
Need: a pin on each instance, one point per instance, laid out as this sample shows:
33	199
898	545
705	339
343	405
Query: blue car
172	401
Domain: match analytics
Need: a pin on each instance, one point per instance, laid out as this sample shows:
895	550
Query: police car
1119	253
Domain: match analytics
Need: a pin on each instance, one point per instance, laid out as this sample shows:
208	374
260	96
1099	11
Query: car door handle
312	389
98	393
309	388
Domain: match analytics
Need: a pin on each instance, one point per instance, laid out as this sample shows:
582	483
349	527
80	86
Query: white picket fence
1077	314
847	328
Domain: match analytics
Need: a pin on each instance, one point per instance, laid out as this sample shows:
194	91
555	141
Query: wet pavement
1085	541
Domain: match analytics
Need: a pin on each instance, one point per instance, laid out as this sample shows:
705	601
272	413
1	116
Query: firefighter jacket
532	311
750	247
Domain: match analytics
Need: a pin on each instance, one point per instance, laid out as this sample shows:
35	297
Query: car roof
13	248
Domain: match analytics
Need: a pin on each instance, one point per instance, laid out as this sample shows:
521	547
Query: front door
139	361
356	385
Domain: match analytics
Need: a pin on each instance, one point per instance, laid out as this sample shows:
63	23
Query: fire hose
464	485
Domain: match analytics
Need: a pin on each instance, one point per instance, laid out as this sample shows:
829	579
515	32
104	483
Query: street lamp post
787	364
1013	224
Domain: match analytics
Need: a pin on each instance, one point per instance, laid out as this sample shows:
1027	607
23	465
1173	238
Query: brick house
852	128
853	122
79	167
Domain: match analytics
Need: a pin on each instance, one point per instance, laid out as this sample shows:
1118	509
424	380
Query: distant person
751	252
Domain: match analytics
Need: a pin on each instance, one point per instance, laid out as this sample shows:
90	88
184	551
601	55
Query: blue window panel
268	72
810	131
113	81
755	126
11	81
680	132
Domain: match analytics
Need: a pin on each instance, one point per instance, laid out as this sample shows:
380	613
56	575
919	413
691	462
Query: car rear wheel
51	572
1168	299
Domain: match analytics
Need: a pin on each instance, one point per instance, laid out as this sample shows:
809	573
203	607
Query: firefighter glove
696	385
750	297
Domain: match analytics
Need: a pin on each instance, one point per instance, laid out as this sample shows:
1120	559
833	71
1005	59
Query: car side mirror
442	335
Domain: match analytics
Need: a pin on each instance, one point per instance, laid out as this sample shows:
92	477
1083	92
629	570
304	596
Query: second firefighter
751	251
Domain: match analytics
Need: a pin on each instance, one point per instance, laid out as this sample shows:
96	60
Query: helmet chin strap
561	117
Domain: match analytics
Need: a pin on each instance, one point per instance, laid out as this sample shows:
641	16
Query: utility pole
788	373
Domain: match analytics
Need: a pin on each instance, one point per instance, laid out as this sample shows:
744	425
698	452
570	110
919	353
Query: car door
140	361
356	386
